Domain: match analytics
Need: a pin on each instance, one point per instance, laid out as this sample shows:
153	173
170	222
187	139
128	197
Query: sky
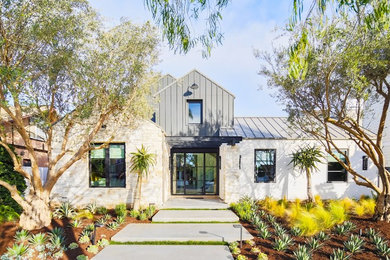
247	25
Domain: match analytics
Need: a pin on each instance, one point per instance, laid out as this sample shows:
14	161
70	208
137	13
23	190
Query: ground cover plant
333	229
70	234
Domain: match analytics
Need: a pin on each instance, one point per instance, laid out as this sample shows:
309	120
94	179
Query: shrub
359	210
150	211
307	224
369	206
324	218
142	216
7	213
83	214
318	201
120	209
101	210
73	245
347	204
8	174
94	249
338	212
134	213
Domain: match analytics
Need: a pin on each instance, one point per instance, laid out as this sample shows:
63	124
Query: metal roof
272	128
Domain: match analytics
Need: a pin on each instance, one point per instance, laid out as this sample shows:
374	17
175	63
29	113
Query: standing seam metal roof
272	128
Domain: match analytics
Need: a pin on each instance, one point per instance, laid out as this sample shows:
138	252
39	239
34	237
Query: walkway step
194	203
180	232
195	216
165	252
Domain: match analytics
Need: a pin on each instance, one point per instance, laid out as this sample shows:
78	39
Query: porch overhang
201	141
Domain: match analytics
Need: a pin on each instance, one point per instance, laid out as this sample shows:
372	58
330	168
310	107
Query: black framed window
336	171
265	165
194	111
107	166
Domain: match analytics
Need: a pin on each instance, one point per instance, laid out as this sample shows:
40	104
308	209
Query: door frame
195	150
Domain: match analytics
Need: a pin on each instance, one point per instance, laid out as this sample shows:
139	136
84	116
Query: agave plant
383	249
296	231
313	244
38	241
349	226
112	225
94	249
370	232
73	245
264	233
354	244
339	254
84	239
279	230
101	210
322	236
92	207
120	219
302	253
377	239
282	243
65	210
18	251
76	223
22	236
103	242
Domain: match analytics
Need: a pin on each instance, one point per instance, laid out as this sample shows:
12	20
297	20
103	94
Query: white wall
73	185
289	182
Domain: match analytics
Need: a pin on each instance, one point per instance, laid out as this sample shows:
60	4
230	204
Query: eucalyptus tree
60	65
341	67
306	159
141	161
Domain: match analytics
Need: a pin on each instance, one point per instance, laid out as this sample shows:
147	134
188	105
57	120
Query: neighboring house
203	150
371	122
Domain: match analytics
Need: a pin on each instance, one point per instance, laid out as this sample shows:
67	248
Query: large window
265	165
107	166
194	111
336	171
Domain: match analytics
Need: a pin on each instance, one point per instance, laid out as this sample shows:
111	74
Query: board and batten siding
172	106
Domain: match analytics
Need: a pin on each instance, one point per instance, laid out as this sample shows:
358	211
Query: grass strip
190	242
195	222
192	209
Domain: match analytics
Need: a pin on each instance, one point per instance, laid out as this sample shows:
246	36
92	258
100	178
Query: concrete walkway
195	216
167	252
194	203
180	232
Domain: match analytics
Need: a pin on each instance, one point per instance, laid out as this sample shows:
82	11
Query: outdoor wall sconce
194	86
365	162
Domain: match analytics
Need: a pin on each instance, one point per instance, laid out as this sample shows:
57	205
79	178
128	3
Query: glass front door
194	173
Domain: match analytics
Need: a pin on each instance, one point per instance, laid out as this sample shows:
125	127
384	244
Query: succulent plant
65	210
84	239
255	250
242	257
264	233
101	210
339	254
279	230
112	225
302	253
38	241
120	220
18	251
22	236
73	245
370	232
103	242
76	223
313	244
233	245
92	207
134	213
296	231
94	249
236	251
282	243
322	236
82	257
354	244
262	256
383	249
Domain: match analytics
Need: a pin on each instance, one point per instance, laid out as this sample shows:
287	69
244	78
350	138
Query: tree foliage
347	67
8	174
58	63
175	18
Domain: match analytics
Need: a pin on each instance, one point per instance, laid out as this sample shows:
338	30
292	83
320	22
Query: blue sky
247	25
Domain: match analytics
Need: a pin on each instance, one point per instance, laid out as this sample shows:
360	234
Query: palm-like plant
141	161
306	160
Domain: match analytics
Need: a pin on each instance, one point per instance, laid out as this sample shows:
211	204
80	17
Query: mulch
335	241
8	230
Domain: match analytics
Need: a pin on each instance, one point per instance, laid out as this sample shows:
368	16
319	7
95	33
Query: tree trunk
382	208
309	192
36	214
137	197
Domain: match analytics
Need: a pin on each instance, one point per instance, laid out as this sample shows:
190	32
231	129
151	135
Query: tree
141	161
8	174
306	159
346	66
57	62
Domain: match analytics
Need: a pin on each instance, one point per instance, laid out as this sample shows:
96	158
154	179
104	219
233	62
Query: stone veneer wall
289	182
73	185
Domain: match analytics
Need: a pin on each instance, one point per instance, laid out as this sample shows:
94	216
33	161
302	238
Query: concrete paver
195	216
180	232
194	203
164	252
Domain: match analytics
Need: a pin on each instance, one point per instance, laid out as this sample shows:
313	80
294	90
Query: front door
194	173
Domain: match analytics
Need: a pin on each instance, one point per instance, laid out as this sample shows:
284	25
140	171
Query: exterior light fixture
93	237
365	162
194	86
240	227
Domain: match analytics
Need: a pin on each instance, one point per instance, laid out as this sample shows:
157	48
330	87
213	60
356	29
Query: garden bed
71	234
361	228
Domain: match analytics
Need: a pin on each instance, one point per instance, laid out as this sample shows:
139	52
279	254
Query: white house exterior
202	150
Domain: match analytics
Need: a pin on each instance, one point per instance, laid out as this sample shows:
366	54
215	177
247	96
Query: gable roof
177	81
273	128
